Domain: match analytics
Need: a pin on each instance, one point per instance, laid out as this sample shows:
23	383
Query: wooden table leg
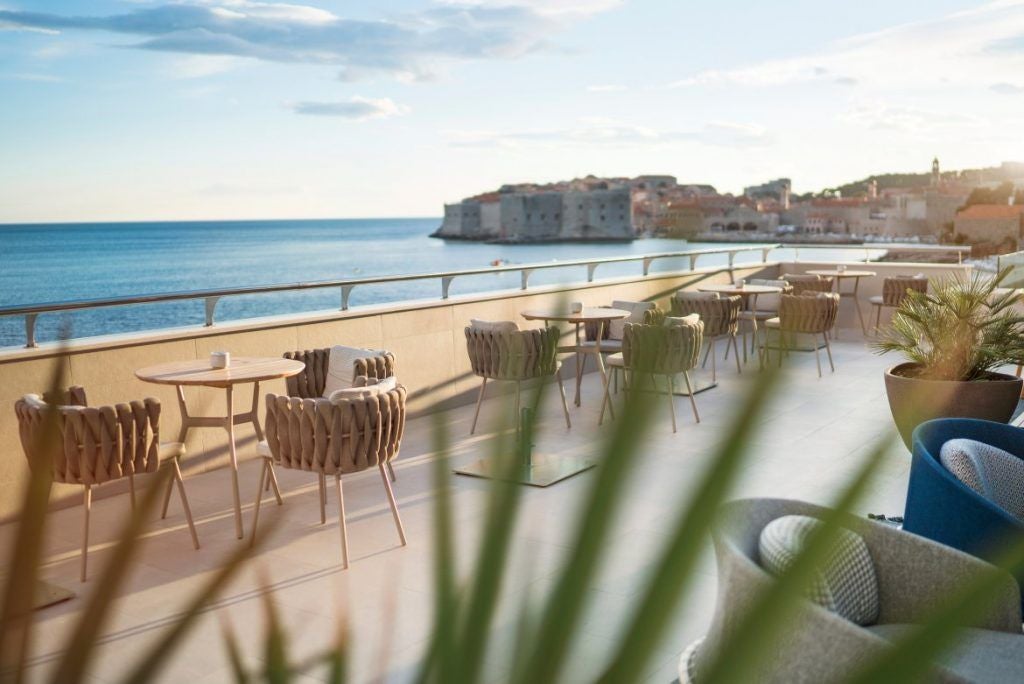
229	423
856	304
255	411
185	419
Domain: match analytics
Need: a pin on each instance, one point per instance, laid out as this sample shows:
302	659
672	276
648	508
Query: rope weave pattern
808	313
97	445
720	316
309	384
518	355
662	350
328	437
808	283
894	290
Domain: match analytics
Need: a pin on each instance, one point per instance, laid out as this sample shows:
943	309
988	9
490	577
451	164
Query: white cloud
952	50
412	45
1006	88
593	131
356	108
606	88
881	116
201	66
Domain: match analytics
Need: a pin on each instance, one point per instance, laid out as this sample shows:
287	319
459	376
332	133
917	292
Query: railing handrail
212	296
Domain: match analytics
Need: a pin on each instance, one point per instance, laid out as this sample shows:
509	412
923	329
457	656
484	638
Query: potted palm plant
955	339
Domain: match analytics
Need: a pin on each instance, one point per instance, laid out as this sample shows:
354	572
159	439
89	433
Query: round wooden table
598	315
199	373
838	277
747	292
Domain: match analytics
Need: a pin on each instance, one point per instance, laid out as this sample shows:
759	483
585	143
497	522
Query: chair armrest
913	572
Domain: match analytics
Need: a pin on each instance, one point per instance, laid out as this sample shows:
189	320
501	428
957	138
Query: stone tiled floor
811	436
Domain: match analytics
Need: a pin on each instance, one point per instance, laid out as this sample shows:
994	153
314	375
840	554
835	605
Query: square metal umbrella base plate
543	470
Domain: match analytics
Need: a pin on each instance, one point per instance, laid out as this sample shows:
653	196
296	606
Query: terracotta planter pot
913	400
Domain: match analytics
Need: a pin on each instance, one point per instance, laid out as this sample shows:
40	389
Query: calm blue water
62	262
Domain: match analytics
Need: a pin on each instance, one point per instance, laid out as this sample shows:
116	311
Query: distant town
980	207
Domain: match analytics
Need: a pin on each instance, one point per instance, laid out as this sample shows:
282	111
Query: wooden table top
843	274
730	288
199	372
585	316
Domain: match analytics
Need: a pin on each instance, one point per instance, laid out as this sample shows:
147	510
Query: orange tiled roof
991	211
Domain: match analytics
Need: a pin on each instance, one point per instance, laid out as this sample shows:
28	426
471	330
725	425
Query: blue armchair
941	508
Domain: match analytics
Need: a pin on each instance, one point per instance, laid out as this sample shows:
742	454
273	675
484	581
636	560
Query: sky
116	110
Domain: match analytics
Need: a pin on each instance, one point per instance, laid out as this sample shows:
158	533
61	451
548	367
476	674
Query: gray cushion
980	655
844	584
993	473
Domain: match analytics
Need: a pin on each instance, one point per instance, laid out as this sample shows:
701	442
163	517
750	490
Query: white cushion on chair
35	401
696	296
493	326
877	300
636	310
616	360
341	367
772	322
845	583
263	449
990	471
364	392
681	321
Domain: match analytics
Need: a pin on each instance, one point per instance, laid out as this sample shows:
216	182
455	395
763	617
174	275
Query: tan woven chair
812	313
98	445
334	437
310	383
762	308
720	316
669	349
512	355
894	291
808	283
611	341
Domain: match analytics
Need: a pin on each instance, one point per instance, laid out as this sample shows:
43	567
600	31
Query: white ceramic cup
740	283
220	359
842	268
575	307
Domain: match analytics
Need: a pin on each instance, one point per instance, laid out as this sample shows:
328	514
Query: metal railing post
30	330
446	283
524	278
346	290
210	305
591	267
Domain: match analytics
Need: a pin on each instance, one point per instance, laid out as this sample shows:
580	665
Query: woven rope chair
653	350
98	445
808	283
894	291
334	437
720	316
812	313
514	356
762	308
310	383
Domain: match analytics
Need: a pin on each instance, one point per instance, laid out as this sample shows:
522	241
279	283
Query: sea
47	263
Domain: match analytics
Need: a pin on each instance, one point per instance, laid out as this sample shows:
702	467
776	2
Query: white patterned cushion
993	473
768	302
681	321
844	584
341	367
617	328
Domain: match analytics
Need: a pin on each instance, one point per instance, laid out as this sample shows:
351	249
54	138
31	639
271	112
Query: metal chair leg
736	354
714	365
273	482
693	402
394	505
605	400
671	403
479	400
391	472
341	522
817	358
828	349
322	486
86	509
167	499
565	404
131	489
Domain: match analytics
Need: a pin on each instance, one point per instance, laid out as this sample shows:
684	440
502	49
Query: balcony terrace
810	437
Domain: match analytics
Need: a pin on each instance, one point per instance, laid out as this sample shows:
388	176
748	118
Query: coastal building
991	227
591	211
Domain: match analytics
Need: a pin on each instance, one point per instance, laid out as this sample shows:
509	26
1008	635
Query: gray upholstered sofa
913	575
